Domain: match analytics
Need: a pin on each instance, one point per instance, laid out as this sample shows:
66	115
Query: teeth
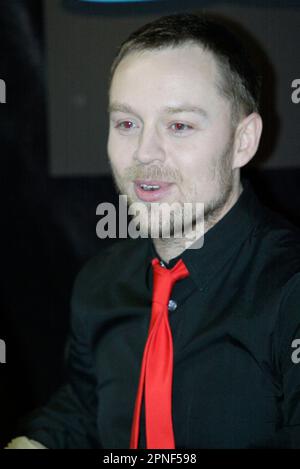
149	187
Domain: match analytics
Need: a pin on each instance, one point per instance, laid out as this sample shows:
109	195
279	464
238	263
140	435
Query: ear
246	140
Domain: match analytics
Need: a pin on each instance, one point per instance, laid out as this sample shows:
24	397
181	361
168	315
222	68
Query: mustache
152	172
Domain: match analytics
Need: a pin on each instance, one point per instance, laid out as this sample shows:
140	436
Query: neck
169	248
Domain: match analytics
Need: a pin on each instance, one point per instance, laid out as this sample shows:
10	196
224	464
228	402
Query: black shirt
236	383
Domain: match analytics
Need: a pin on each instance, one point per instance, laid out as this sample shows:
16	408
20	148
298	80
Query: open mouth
151	190
149	187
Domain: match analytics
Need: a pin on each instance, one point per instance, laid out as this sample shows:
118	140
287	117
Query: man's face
170	126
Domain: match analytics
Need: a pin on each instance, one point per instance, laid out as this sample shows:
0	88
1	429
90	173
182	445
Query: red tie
157	365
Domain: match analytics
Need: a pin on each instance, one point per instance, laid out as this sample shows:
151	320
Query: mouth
150	190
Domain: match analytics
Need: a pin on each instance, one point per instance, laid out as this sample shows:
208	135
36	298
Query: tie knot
164	279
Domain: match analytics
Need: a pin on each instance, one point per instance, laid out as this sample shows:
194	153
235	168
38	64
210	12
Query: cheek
110	148
201	155
191	159
118	153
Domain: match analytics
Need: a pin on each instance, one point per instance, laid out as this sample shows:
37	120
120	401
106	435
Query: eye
125	125
179	127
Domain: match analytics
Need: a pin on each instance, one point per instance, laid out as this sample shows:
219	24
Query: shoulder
287	330
274	249
108	265
279	246
277	243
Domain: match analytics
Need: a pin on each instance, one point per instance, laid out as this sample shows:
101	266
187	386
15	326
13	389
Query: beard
169	223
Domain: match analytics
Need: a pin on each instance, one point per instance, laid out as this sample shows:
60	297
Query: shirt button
172	305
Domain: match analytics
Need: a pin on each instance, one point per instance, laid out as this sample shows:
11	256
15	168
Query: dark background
53	175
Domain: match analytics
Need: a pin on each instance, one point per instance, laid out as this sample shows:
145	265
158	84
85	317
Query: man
184	119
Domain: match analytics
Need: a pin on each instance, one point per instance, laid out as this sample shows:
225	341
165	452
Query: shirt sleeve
69	418
287	339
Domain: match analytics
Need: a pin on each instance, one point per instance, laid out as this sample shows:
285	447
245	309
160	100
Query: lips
152	194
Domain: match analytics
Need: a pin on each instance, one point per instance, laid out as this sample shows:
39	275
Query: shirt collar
220	241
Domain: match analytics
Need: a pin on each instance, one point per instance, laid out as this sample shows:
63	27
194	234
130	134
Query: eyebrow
185	108
120	107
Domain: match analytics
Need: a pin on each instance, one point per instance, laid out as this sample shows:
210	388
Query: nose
150	146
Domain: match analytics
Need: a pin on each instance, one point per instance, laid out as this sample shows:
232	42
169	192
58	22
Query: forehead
187	71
